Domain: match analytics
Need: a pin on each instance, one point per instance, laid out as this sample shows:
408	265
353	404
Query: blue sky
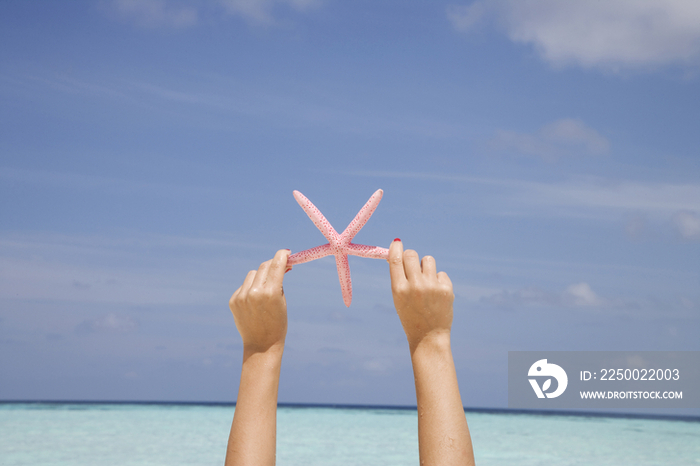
545	153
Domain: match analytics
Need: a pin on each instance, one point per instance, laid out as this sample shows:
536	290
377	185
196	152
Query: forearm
253	433
443	435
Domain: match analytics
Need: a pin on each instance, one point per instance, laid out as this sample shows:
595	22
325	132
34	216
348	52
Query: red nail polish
287	249
288	270
397	239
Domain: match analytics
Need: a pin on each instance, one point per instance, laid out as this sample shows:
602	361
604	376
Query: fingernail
287	249
397	239
288	270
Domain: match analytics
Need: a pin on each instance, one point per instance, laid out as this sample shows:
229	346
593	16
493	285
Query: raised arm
423	300
260	311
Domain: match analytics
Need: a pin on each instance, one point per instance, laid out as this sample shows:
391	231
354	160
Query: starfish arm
373	252
341	260
362	216
309	254
317	217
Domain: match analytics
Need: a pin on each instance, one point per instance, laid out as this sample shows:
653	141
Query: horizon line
484	410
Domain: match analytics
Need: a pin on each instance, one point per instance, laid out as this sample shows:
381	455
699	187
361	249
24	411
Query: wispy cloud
155	13
655	198
636	226
581	299
688	224
103	184
136	269
217	99
565	137
110	323
612	34
581	294
467	17
262	11
578	295
182	14
575	195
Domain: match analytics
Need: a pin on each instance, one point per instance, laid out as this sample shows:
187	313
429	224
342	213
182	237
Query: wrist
269	354
436	342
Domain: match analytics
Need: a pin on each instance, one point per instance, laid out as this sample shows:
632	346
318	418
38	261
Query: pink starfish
339	244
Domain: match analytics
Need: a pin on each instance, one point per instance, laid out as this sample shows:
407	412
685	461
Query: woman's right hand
423	297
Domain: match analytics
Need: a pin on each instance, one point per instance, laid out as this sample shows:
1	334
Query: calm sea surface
142	434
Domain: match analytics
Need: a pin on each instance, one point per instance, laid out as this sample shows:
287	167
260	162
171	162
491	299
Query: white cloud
466	17
636	226
587	197
581	294
523	297
185	13
610	34
156	13
687	303
377	364
63	180
565	137
645	205
654	198
576	295
688	224
261	11
115	270
110	323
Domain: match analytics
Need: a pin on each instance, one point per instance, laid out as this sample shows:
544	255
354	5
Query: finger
261	276
396	270
244	287
278	266
443	278
411	264
428	266
248	281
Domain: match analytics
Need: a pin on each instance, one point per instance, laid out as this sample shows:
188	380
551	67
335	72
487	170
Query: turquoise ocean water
143	434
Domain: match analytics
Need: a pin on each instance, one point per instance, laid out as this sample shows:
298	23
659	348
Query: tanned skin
423	300
260	311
